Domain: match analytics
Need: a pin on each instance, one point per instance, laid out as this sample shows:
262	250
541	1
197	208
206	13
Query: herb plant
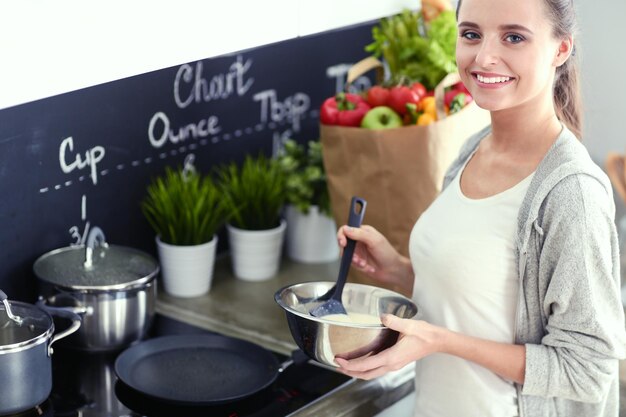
306	178
254	193
184	208
415	50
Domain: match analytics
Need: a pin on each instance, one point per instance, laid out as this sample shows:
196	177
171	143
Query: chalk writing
339	72
190	86
291	109
159	132
90	159
278	142
189	168
75	232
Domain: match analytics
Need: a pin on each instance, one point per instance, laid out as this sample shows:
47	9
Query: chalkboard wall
84	158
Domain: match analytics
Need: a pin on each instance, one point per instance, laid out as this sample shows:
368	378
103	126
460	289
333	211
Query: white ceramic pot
187	271
311	237
256	254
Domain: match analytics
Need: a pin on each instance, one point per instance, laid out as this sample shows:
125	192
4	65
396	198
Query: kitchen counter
247	310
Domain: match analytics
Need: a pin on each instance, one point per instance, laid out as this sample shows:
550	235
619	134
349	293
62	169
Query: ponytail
567	97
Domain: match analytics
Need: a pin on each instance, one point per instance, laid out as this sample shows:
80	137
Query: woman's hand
375	256
417	339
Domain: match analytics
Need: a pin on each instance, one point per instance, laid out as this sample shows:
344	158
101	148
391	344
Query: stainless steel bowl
323	339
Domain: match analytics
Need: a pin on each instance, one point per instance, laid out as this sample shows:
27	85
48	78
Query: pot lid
28	325
109	267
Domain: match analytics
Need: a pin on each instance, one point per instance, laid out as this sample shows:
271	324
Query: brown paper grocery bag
399	171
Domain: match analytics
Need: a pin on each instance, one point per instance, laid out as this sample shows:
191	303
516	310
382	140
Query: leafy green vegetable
184	209
415	51
457	103
306	178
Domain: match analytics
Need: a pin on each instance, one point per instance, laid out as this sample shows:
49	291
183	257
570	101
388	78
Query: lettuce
415	51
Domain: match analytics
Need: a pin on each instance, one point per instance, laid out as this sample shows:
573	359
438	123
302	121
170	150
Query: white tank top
462	252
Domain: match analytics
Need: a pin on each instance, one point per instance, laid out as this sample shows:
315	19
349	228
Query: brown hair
566	89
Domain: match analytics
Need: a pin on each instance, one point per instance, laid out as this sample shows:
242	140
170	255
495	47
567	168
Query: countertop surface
247	310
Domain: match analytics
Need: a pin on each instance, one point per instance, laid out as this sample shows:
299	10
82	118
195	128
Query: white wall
603	70
52	47
603	60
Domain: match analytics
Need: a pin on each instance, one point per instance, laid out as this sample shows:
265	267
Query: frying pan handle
355	218
298	357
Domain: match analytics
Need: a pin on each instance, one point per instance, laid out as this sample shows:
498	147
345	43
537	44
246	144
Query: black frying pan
197	369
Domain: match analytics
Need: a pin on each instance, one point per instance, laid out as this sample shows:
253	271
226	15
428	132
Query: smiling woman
517	47
521	317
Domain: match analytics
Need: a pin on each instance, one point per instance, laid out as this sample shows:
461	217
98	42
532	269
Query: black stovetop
85	385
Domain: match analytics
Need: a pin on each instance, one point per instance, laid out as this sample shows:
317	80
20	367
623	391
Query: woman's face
506	52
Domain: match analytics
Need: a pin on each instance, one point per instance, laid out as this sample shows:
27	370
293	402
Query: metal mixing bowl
323	339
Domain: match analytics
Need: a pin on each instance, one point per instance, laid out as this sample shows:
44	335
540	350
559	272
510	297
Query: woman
515	266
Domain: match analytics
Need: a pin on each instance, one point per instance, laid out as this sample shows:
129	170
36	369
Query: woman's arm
505	359
375	257
577	301
419	339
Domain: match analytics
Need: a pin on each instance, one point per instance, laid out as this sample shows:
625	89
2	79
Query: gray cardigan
569	313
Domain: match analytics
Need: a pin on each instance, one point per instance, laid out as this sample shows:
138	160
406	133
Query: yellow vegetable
425	119
429	106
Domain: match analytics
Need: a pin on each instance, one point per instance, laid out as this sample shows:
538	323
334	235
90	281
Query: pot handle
96	235
70	313
7	308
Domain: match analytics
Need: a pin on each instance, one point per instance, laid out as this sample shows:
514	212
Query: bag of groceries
392	144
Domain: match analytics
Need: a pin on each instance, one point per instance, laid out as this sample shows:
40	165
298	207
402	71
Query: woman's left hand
417	339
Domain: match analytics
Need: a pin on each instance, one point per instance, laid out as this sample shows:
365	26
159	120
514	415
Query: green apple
381	117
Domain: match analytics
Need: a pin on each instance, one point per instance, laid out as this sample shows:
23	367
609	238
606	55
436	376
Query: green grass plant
254	192
184	209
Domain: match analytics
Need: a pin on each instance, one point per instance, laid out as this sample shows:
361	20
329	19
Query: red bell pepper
419	89
344	109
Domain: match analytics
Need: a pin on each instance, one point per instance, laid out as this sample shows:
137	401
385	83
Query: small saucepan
114	287
26	336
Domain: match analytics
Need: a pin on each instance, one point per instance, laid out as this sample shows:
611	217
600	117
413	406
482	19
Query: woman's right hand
375	256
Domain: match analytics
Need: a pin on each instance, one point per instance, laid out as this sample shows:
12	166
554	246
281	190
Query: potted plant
185	209
311	231
254	194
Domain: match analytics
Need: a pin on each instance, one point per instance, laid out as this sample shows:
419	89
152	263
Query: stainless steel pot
26	336
115	286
